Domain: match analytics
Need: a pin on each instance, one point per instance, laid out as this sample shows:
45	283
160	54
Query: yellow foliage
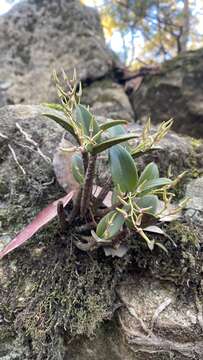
109	24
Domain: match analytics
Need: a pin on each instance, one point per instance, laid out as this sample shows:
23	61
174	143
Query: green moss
54	291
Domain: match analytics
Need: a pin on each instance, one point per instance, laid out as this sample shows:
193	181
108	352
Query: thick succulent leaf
78	168
43	218
117	131
87	121
150	172
110	142
148	201
155	183
61	119
110	225
112	123
123	169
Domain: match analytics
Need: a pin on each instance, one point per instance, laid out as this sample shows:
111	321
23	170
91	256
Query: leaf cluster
129	203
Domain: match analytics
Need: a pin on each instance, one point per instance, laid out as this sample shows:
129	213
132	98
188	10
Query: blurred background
146	31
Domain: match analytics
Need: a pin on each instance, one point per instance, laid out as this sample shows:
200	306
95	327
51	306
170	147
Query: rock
153	311
48	296
108	99
194	211
176	92
37	37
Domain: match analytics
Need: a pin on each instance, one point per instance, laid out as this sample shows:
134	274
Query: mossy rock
52	296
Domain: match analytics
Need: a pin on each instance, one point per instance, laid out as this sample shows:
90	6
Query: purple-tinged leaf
42	218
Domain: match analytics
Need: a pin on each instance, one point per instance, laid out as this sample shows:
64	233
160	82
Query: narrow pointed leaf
42	218
110	225
150	172
58	107
61	119
110	124
123	169
110	142
78	168
137	153
155	230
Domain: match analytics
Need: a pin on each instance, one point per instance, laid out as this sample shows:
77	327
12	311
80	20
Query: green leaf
150	172
110	124
111	142
61	119
78	168
110	225
137	153
155	183
87	121
117	130
123	169
58	107
148	201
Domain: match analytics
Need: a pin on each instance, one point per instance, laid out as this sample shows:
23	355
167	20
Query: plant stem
85	160
87	189
76	208
61	216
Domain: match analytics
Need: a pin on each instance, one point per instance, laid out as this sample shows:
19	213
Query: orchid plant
128	203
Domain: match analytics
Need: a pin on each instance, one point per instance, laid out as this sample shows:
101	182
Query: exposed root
159	310
199	306
34	143
16	160
156	344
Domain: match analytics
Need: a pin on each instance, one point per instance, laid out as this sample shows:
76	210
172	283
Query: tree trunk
186	26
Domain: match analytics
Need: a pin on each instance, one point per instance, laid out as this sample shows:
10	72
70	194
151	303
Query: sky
5	6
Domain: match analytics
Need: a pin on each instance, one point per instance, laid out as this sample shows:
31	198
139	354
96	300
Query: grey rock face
38	37
195	206
108	99
176	92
